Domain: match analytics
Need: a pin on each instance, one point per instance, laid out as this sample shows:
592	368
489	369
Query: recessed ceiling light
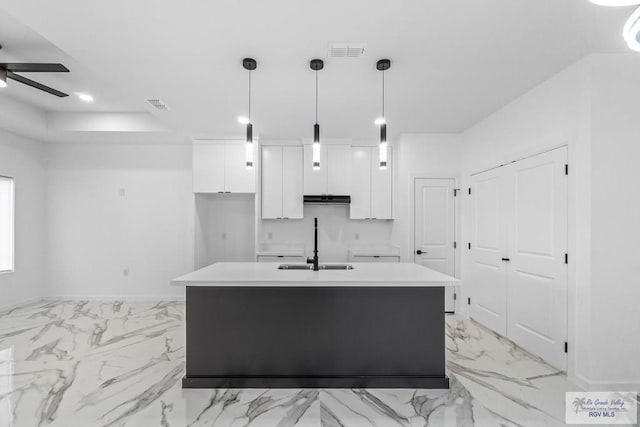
631	32
615	2
380	121
84	97
243	120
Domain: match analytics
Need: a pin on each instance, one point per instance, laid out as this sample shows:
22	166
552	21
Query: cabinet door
292	182
238	179
339	169
280	258
208	167
360	207
376	258
271	182
315	181
381	187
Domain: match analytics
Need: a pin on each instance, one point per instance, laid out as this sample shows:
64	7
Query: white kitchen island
254	325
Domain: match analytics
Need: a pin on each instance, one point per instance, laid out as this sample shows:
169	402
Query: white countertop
363	275
374	250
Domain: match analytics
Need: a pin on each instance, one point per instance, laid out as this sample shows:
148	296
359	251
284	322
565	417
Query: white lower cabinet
371	187
375	258
280	258
282	182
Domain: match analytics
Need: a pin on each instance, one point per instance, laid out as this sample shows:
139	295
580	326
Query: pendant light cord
249	96
383	96
316	96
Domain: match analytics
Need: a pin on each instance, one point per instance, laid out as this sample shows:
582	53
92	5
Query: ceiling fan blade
36	85
34	68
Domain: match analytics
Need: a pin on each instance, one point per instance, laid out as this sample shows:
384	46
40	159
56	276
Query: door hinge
455	296
566	169
566	347
469	245
469	300
455	245
469	190
566	258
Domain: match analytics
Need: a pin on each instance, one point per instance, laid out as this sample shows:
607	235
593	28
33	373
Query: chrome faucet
314	260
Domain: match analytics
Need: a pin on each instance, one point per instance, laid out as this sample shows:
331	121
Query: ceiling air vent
345	50
157	104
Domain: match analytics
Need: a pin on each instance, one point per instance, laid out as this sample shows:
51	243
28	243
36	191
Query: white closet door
489	240
537	314
292	183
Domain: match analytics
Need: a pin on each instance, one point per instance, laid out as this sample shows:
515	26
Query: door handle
419	252
506	259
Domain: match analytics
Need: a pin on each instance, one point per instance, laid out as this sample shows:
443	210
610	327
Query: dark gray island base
315	337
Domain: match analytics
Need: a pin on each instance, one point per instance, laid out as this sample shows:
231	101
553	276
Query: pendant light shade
249	64
316	65
383	65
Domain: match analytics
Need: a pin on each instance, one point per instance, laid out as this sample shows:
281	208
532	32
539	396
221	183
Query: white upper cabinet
371	187
334	175
338	169
238	179
292	182
282	177
220	167
272	182
360	183
208	167
381	186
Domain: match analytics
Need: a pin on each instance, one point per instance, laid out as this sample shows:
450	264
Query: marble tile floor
119	363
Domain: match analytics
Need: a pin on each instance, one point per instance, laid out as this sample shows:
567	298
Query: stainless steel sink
295	267
336	267
310	267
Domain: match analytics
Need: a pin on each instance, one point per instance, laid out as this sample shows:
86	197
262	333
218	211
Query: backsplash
336	232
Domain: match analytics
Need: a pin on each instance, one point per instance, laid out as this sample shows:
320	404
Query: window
6	224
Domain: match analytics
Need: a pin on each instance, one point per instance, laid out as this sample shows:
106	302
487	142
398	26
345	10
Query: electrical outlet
269	236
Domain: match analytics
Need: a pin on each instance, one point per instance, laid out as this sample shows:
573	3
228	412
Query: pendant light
316	65
383	65
249	64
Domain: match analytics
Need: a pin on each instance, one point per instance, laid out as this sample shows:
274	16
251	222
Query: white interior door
488	248
537	295
435	228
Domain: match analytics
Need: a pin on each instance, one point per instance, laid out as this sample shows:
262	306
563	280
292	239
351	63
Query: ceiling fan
9	70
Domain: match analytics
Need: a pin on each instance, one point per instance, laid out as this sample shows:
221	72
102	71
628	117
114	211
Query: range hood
327	199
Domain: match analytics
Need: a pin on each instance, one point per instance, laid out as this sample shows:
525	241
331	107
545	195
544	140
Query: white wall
422	156
225	228
615	221
22	159
120	219
592	108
